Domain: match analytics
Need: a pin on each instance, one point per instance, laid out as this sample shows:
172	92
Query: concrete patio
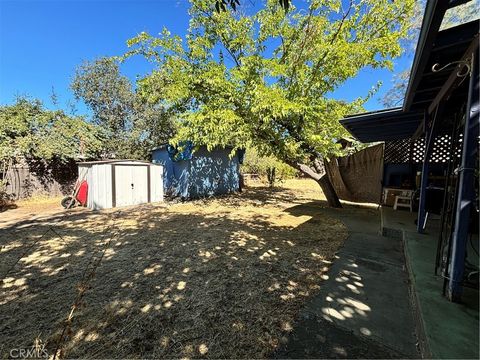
363	309
381	298
446	329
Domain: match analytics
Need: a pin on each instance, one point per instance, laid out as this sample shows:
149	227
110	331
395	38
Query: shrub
263	165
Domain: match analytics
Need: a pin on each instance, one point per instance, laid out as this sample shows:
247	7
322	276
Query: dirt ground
30	209
216	278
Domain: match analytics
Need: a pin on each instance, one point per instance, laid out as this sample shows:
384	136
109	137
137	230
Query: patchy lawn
216	278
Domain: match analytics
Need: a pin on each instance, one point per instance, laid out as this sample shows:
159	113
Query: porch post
424	179
466	186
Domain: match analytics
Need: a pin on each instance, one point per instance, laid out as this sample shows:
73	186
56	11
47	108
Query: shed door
131	185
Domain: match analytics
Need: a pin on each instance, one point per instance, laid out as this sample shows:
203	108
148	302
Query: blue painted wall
207	173
160	156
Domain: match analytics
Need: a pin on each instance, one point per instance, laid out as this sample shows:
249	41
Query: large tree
28	130
46	140
132	124
265	78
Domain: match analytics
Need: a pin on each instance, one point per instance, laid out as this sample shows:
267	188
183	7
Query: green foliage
275	98
106	92
44	139
254	163
28	130
221	5
133	125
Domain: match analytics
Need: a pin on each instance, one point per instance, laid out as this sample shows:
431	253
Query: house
431	142
199	173
432	152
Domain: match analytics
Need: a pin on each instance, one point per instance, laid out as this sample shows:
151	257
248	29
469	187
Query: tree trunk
322	180
325	184
329	192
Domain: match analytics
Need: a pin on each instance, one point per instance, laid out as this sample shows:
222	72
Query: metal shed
113	183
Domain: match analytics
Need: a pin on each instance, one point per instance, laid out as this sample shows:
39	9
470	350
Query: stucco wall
175	173
160	156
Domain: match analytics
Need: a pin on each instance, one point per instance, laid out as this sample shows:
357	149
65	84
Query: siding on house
213	173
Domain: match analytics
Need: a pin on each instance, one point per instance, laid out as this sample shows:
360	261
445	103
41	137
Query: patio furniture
390	194
403	201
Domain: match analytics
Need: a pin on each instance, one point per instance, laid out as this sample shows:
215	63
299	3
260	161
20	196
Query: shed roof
163	146
112	161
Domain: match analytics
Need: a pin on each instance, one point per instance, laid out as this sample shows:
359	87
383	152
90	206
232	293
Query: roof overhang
385	125
425	86
112	161
448	47
164	146
432	19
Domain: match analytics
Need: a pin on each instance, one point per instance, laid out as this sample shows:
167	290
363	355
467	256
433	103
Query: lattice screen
441	149
418	150
397	151
406	150
458	150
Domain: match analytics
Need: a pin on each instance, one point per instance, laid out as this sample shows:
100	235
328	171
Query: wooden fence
31	178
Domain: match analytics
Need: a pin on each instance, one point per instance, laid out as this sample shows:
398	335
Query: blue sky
41	43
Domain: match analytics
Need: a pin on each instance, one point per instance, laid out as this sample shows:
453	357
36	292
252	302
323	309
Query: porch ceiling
448	47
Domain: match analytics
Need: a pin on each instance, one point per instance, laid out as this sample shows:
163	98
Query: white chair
404	200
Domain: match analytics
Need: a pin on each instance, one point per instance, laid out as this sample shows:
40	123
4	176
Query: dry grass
218	278
39	200
30	208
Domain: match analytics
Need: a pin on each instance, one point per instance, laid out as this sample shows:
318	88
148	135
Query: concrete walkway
363	308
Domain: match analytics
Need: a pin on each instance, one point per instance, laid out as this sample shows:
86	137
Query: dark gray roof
163	146
447	46
384	125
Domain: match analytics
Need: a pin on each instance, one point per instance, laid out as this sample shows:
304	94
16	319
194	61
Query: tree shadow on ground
171	283
354	314
8	206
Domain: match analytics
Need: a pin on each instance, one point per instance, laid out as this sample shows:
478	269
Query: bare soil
213	278
31	209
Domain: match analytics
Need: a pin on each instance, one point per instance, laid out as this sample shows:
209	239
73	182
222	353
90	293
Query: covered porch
431	143
431	165
438	338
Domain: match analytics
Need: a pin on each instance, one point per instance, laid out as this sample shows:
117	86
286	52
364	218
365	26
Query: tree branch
223	40
316	67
